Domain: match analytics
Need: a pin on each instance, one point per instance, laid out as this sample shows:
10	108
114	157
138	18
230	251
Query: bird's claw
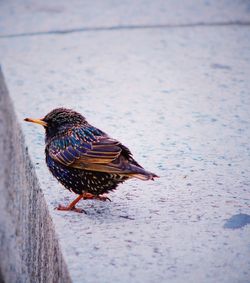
68	208
103	198
91	196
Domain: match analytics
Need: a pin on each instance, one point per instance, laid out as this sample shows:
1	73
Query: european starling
85	159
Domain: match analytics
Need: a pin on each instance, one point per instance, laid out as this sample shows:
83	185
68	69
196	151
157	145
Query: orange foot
69	208
91	196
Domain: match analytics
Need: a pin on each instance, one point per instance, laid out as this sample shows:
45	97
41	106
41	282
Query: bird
84	159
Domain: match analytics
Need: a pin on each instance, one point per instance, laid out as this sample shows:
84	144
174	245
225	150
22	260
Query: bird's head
58	120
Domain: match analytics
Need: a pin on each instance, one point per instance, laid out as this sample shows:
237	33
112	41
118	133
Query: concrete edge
29	247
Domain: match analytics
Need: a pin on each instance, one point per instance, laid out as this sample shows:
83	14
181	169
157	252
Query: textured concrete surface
179	98
29	16
29	250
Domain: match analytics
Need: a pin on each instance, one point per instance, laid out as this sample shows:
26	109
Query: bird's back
90	158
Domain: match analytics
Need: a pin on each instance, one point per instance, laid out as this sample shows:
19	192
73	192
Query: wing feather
90	149
84	145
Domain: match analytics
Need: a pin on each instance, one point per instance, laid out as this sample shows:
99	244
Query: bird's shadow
107	212
237	221
117	209
100	212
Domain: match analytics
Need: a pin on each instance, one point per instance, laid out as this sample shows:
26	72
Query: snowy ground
178	97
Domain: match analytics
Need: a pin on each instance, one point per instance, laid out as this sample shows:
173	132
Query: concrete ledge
29	248
63	15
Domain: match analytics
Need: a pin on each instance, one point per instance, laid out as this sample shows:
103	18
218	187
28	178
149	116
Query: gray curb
29	248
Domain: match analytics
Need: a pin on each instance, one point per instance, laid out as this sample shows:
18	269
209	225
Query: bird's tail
145	176
137	171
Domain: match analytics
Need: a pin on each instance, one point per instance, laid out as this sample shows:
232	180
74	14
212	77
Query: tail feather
136	171
145	176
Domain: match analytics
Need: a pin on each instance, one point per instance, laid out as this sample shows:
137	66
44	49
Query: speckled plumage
83	158
79	181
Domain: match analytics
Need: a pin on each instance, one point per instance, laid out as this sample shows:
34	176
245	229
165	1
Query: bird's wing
87	144
90	149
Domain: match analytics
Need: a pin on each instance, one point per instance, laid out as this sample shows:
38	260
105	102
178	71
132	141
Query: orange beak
37	121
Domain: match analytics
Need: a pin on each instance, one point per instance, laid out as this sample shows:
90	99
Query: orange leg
71	206
91	196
